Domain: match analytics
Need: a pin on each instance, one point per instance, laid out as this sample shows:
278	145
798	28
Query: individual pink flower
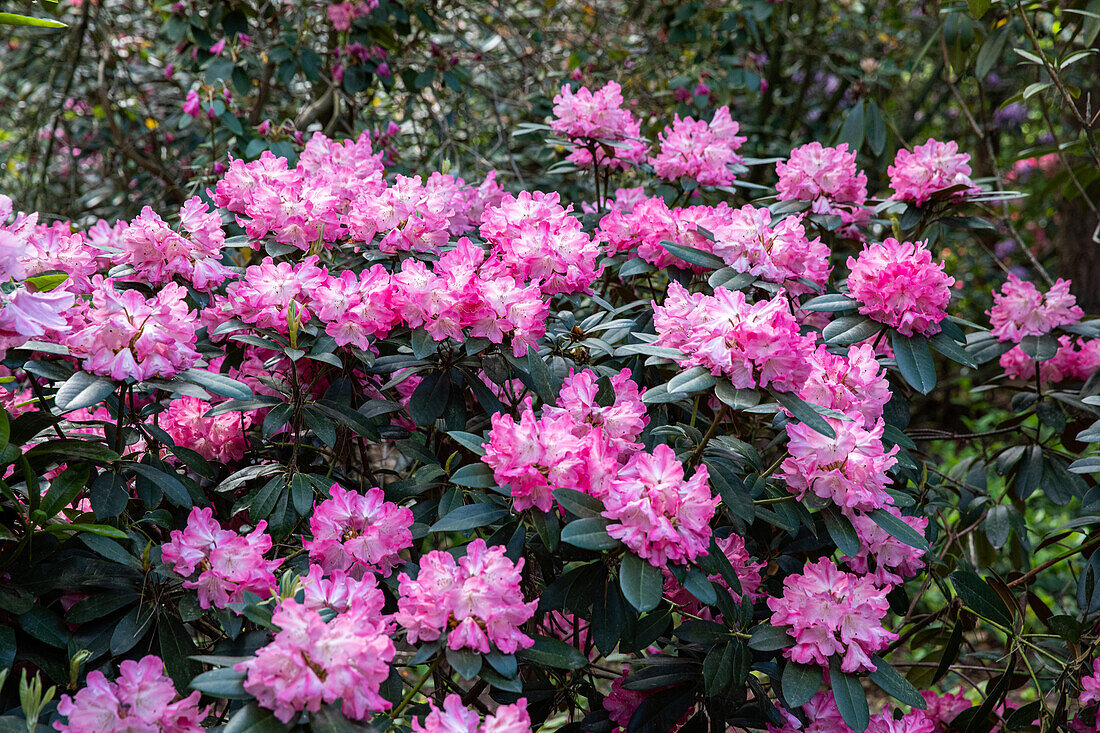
477	600
355	308
940	710
1090	685
454	717
220	438
898	284
703	151
192	106
123	334
338	591
141	699
854	384
310	662
932	167
656	513
158	253
358	533
271	295
894	561
620	703
849	469
829	613
822	716
588	117
228	564
828	178
1019	309
26	315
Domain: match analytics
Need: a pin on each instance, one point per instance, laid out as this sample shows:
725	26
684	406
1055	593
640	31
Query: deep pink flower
1019	309
849	470
270	294
1090	685
898	284
192	106
822	716
220	438
588	117
827	175
931	167
454	717
700	150
940	710
779	252
914	721
1073	360
831	612
854	385
358	533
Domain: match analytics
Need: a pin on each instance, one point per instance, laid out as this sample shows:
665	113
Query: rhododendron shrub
331	447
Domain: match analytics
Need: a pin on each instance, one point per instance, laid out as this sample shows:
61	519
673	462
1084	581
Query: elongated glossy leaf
82	390
850	330
980	597
470	516
589	533
219	384
830	302
695	379
695	256
800	683
894	685
803	412
553	653
16	19
914	361
841	531
768	638
849	696
954	351
898	529
641	583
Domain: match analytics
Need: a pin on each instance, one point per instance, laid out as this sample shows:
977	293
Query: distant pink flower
620	703
1072	360
141	699
829	613
826	177
588	117
849	470
192	106
358	533
942	709
310	662
228	564
455	717
703	151
916	176
218	47
220	438
1019	309
912	722
898	284
656	513
477	598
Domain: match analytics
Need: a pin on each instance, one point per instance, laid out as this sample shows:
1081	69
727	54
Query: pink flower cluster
1090	685
898	284
755	345
229	564
592	119
1019	309
853	384
779	252
310	662
358	533
826	177
831	612
642	224
1073	360
656	513
271	295
622	421
848	470
476	601
894	561
339	591
126	335
219	438
455	717
158	253
141	699
916	176
699	150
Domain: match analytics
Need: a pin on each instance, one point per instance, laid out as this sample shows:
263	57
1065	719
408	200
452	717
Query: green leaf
841	531
950	348
470	516
579	503
898	529
102	530
171	485
800	683
589	533
852	130
469	441
15	19
64	489
219	384
254	719
718	669
849	696
82	390
464	661
429	399
474	475
694	256
109	495
894	685
875	128
642	584
553	653
979	596
545	383
914	360
768	638
70	449
850	330
803	412
224	683
830	302
695	379
1039	348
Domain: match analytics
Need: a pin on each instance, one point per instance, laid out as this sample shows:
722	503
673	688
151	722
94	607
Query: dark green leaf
254	719
589	533
803	412
82	390
914	361
850	330
768	638
849	696
841	531
553	653
698	257
894	685
898	529
800	683
470	516
642	584
980	597
218	384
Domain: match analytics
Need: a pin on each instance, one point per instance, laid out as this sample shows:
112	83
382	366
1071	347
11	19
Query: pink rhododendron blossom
192	106
779	252
912	722
894	561
1090	685
826	177
620	703
123	334
355	308
358	533
656	513
336	590
588	117
940	710
270	295
622	421
159	253
932	167
141	699
854	384
478	599
1074	359
1019	309
822	716
454	717
26	315
228	564
220	438
310	662
898	284
755	345
849	469
831	612
700	150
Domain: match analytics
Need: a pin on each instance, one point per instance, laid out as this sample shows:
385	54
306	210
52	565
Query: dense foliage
724	398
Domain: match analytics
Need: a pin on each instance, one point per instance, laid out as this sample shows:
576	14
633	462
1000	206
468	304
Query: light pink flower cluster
141	699
849	470
656	513
57	247
342	14
894	561
358	533
123	334
932	167
699	150
898	284
476	601
159	253
1073	360
27	314
219	438
754	345
1019	309
779	252
338	591
455	717
229	564
912	722
310	662
269	293
828	178
533	238
588	117
1090	685
622	421
355	308
853	384
643	225
831	612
